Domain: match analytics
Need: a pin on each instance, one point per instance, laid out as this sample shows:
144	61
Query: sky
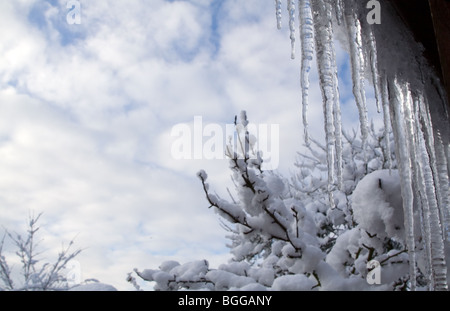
87	112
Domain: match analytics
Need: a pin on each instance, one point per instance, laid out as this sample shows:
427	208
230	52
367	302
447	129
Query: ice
307	52
411	100
441	170
386	118
372	54
278	13
358	70
339	8
338	133
291	11
431	198
398	89
326	63
397	109
396	212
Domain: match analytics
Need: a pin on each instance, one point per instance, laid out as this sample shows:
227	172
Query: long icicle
291	12
431	186
404	163
422	181
278	13
442	171
386	119
337	125
339	8
323	35
438	165
358	68
373	60
307	51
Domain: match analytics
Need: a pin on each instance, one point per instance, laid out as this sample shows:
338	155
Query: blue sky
86	114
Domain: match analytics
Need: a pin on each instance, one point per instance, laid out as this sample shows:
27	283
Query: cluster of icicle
404	95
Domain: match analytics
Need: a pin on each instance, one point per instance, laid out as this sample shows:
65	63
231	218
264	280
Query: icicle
447	158
372	51
291	11
404	162
307	49
438	164
424	206
444	184
278	12
337	125
386	119
339	9
326	62
358	71
339	146
427	182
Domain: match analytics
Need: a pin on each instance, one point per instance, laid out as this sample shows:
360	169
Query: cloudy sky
86	113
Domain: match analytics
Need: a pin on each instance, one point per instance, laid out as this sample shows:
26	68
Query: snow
344	250
93	287
169	265
190	270
298	282
264	276
225	280
377	204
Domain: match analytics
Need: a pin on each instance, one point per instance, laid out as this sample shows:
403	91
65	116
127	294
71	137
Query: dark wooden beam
440	13
429	22
416	15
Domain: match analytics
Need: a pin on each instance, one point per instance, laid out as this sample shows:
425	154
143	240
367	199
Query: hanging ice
372	55
326	63
358	69
338	131
278	13
291	11
397	110
429	198
386	118
442	170
405	88
307	52
339	7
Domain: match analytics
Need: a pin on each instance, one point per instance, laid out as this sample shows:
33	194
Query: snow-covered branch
36	276
285	235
